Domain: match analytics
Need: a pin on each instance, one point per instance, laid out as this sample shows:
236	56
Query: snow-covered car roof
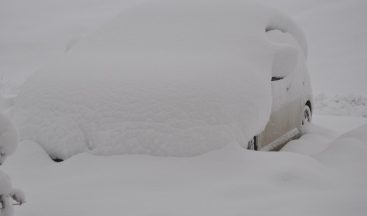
175	78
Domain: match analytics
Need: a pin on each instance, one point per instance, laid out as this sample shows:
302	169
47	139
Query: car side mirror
285	61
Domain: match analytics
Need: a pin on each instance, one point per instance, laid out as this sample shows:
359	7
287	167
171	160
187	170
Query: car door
286	96
282	118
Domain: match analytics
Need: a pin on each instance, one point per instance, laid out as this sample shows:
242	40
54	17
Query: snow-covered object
174	78
18	196
8	144
8	138
8	194
6	206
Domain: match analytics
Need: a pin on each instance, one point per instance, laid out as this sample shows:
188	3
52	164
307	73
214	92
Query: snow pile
229	181
8	144
348	153
314	140
8	194
350	105
321	134
171	78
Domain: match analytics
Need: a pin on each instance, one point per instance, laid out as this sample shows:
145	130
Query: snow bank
348	152
314	140
323	132
230	181
170	78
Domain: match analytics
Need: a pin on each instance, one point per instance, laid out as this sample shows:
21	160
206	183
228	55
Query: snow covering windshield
167	78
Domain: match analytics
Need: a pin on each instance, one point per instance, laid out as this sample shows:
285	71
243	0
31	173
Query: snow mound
176	78
347	155
314	140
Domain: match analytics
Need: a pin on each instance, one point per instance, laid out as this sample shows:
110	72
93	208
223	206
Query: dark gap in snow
57	160
276	78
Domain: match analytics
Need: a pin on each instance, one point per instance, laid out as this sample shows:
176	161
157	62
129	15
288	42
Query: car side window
285	55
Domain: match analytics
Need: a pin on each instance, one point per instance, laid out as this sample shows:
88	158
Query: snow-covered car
292	100
172	78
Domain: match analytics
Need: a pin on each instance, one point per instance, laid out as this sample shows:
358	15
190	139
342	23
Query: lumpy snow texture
172	78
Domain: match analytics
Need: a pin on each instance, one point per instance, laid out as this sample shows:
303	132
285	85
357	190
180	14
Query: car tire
252	144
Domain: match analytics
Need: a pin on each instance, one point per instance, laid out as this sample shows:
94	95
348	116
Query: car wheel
252	144
307	116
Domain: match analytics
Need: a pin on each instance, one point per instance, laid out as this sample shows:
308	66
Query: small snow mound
348	153
29	154
314	140
19	196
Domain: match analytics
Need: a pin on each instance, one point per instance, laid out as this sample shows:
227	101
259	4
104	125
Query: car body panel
290	95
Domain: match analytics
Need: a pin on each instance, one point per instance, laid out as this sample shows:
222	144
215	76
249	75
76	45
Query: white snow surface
174	78
229	181
8	145
341	105
316	176
8	137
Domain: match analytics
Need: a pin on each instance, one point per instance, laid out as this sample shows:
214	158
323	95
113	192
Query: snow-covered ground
230	181
350	105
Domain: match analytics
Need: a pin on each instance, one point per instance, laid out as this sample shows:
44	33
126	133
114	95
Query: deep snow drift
176	78
231	181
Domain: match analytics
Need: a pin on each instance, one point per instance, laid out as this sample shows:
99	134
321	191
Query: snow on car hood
170	78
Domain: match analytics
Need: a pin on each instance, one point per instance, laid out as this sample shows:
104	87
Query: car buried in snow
173	78
291	94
